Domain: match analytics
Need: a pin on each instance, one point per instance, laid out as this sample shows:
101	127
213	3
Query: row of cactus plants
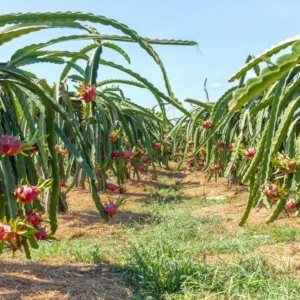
80	129
252	133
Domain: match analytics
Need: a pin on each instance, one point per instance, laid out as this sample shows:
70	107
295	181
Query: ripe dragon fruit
201	164
230	146
157	146
113	137
40	234
10	145
215	168
221	146
288	165
128	154
191	160
146	159
87	93
26	193
111	209
65	152
207	125
115	154
34	218
111	187
122	190
250	153
62	184
291	205
141	168
272	191
61	151
5	232
233	167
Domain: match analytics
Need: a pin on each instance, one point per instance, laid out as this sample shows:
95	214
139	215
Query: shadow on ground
49	281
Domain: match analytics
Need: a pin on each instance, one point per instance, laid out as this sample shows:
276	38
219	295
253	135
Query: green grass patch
80	250
162	269
167	195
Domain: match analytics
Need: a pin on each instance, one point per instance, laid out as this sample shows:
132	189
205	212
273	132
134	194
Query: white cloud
215	84
218	75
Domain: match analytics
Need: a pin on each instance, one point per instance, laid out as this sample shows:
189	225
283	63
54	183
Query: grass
81	250
168	272
165	195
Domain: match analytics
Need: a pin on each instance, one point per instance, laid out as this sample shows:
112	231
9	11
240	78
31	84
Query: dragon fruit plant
258	120
72	131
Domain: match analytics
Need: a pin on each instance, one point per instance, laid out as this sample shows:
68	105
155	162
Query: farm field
126	172
176	237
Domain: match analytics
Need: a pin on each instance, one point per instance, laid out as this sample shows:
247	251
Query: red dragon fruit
146	159
111	209
128	154
230	146
221	146
233	167
113	137
122	190
111	187
61	151
115	154
157	146
191	160
291	205
10	145
272	191
5	232
201	164
289	165
34	218
250	153
57	149
26	193
87	93
40	234
207	125
65	152
215	168
62	184
141	168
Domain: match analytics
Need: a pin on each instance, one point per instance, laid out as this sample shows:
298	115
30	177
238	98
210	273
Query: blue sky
226	31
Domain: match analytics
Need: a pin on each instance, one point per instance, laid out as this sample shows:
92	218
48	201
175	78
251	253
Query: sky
226	31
